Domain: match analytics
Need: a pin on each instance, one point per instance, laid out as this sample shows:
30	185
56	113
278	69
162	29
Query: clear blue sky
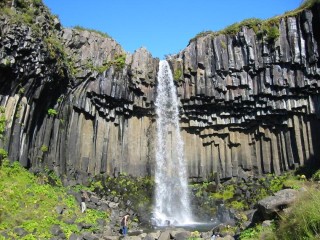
163	27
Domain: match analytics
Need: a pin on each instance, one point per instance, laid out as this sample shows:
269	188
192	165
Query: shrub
225	194
3	122
177	74
316	176
52	112
195	236
21	90
119	61
44	148
293	182
239	205
223	44
303	221
57	52
258	232
277	183
3	153
37	2
273	33
22	4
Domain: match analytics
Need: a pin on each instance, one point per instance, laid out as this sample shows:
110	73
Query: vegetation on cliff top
118	62
102	34
26	12
44	27
268	28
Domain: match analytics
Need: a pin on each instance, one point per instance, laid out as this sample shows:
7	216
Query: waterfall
172	204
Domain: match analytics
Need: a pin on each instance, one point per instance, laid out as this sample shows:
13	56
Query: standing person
124	224
84	196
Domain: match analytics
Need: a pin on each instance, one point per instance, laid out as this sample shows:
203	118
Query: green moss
21	90
177	74
259	232
55	47
3	153
260	194
223	45
118	62
316	176
225	193
52	112
57	53
3	122
44	148
238	205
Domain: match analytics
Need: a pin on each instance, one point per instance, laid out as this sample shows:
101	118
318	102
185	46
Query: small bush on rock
258	232
316	176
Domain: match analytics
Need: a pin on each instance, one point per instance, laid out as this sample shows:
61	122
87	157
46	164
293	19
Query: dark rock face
251	106
248	106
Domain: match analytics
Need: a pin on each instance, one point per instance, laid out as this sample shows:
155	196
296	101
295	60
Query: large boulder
270	206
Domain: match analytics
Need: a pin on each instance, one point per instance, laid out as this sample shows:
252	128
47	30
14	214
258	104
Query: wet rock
182	235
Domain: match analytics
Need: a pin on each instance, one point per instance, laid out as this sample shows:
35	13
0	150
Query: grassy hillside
29	202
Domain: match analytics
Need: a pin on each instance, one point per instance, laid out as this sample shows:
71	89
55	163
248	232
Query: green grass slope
30	202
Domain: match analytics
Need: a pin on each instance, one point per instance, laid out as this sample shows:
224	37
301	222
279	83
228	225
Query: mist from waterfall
172	203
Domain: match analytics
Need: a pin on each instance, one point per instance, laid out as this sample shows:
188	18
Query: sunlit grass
26	203
303	220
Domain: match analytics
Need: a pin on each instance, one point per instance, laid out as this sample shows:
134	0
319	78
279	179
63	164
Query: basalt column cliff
75	102
250	101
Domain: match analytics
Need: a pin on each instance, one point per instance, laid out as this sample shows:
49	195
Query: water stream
172	203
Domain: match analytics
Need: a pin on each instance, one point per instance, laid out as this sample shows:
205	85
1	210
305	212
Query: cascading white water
172	204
